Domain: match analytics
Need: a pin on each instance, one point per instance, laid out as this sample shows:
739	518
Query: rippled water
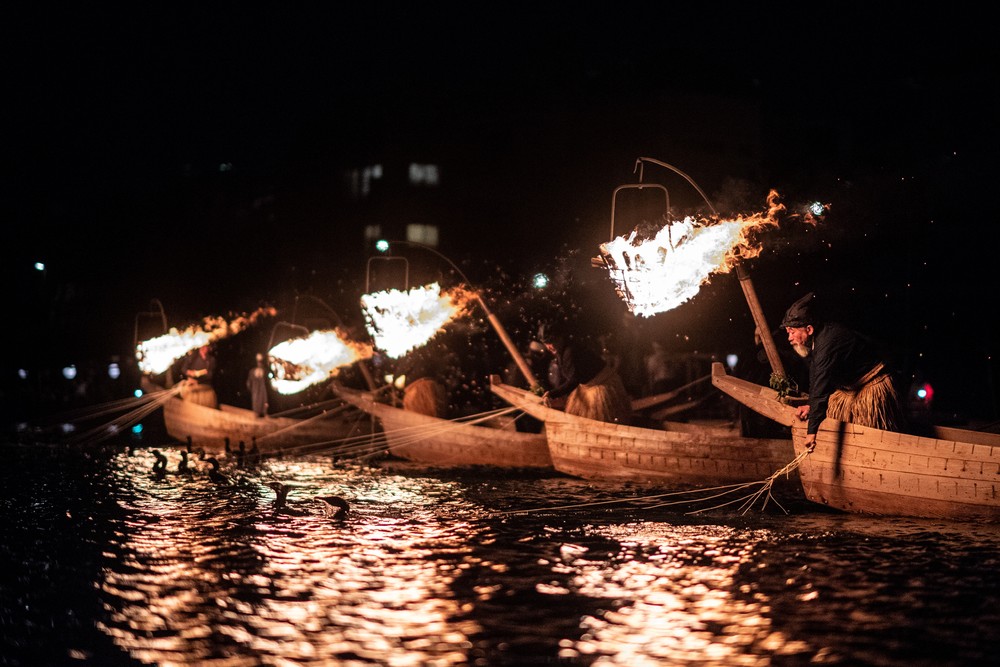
106	563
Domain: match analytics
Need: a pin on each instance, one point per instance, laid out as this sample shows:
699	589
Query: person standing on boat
589	387
661	375
257	386
198	370
848	377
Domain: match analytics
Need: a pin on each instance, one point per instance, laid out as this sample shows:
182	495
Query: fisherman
257	385
848	377
424	393
199	373
661	375
591	387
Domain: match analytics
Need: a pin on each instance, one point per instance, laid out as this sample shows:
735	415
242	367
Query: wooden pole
367	374
509	344
758	317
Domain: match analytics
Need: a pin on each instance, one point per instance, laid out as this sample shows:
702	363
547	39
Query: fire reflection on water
300	587
437	568
382	583
673	593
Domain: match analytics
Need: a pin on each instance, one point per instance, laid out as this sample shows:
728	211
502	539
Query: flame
156	355
401	321
656	275
299	363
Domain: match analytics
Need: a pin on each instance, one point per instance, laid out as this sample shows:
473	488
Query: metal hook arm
638	166
504	338
745	283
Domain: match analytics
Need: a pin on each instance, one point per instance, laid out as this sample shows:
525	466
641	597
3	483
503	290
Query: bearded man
848	377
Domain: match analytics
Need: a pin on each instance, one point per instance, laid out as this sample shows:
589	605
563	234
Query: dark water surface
105	563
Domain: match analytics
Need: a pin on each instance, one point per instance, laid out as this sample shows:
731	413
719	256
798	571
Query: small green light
382	245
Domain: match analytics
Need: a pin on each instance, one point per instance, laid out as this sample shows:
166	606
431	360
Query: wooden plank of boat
209	428
441	442
677	455
762	400
948	474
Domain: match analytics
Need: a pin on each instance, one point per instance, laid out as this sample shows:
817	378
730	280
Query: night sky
194	153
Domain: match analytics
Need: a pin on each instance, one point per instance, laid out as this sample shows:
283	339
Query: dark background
200	155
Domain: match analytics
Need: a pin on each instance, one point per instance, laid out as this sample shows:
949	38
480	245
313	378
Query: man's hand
802	413
810	442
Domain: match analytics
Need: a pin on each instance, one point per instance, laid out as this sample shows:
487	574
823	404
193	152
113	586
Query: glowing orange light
299	363
400	321
157	354
658	274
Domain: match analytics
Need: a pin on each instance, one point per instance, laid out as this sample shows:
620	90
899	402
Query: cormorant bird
281	497
215	475
281	493
183	466
160	465
254	454
334	506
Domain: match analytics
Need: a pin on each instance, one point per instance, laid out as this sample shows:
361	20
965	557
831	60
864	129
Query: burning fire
656	275
401	321
302	362
156	355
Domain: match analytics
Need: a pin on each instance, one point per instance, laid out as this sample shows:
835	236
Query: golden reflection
199	574
295	588
673	591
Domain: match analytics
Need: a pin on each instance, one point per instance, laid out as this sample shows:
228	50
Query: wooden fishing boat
678	454
947	473
209	428
450	443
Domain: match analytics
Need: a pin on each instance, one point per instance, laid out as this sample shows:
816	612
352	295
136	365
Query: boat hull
679	455
209	428
870	471
947	474
445	443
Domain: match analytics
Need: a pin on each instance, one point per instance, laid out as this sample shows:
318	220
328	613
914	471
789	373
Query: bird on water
280	493
215	474
160	465
334	506
254	455
184	467
281	505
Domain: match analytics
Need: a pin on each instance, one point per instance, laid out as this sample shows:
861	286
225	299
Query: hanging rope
299	423
145	405
368	444
760	488
765	488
